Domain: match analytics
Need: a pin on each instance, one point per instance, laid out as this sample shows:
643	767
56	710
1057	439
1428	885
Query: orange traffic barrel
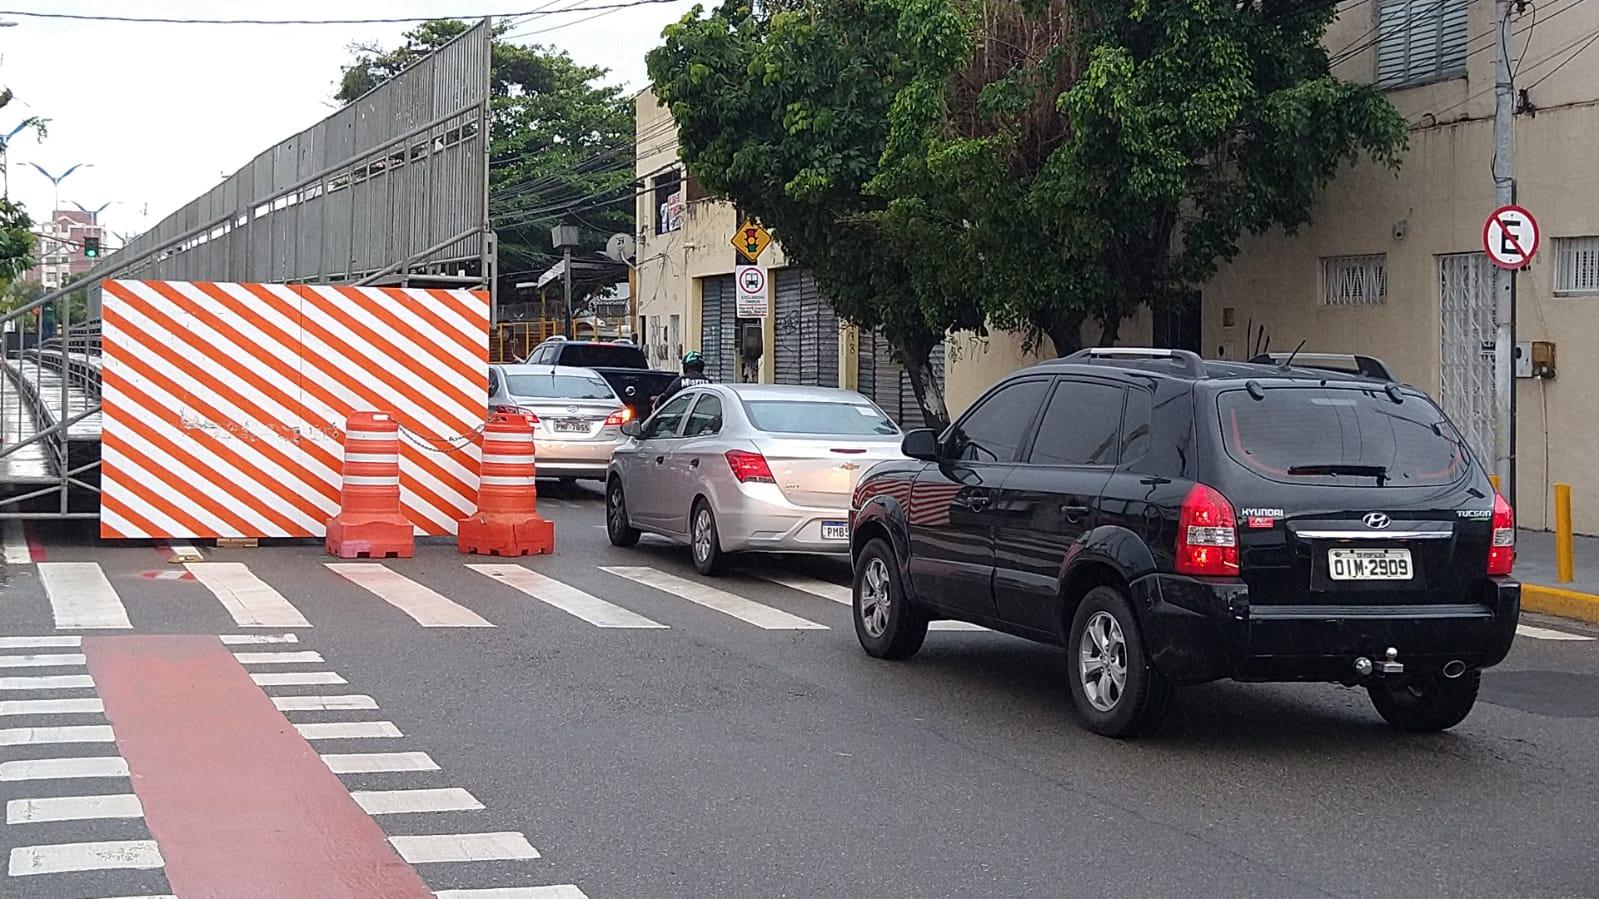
507	521
370	522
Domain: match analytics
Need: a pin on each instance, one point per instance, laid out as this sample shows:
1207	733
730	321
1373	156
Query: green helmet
692	357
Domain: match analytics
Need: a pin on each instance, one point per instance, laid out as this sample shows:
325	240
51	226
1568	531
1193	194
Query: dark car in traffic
1171	520
623	365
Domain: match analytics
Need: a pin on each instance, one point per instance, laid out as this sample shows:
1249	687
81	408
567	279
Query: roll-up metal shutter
886	382
806	327
718	329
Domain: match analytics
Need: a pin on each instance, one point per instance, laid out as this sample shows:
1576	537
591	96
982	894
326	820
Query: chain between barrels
433	445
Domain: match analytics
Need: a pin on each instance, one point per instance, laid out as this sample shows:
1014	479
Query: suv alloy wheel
1116	690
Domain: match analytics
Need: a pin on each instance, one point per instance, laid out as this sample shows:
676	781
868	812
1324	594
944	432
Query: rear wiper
1380	472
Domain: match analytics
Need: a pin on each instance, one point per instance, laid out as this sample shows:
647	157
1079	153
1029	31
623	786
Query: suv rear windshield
1342	436
819	418
564	387
601	355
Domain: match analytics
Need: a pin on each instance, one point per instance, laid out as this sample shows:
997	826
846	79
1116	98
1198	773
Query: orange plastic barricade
507	521
370	522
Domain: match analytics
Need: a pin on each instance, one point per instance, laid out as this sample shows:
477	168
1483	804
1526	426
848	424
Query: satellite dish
620	247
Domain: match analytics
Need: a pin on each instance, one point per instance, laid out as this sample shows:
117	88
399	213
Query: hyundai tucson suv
1170	520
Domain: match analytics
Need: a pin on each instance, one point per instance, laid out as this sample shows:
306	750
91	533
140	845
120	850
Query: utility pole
565	237
1504	297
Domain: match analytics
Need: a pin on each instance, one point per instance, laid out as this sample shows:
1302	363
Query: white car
746	467
577	417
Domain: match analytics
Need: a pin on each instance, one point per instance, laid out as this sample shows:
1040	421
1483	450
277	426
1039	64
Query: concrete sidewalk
1543	592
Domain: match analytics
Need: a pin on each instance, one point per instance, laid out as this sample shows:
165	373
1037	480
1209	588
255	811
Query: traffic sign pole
1510	237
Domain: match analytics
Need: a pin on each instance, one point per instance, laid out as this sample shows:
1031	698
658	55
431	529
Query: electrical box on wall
1535	359
1523	359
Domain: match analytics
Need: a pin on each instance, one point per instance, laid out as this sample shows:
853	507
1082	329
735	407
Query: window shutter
1577	264
1452	38
1422	42
1392	18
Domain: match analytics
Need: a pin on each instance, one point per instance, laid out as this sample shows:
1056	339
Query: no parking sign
1510	237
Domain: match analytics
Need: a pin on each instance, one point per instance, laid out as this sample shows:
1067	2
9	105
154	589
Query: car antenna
1290	360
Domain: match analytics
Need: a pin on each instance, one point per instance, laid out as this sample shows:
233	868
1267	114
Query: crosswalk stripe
62	769
73	808
844	595
558	891
277	658
297	679
347	730
252	639
59	642
1544	633
246	597
369	762
320	703
463	847
15	542
47	682
568	599
88	706
81	596
426	606
397	802
108	855
44	660
712	598
82	733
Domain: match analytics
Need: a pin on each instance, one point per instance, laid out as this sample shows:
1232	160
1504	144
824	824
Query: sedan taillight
516	410
749	467
620	417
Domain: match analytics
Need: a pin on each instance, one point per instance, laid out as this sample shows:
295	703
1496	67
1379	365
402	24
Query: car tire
887	623
1427	705
1115	689
704	541
617	525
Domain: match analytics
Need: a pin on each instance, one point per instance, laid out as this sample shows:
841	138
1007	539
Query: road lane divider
568	599
762	616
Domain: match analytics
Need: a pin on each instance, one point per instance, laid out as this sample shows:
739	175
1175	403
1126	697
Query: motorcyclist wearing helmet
693	375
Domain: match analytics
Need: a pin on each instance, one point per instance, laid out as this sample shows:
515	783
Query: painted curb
1563	603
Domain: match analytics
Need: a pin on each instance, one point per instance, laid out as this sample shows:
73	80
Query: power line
382	20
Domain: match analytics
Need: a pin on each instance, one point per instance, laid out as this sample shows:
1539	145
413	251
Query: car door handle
694	463
976	502
660	460
1072	512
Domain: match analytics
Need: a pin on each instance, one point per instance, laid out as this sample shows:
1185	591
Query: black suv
1172	520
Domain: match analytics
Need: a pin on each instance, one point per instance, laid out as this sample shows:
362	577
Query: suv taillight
748	467
1207	534
1502	552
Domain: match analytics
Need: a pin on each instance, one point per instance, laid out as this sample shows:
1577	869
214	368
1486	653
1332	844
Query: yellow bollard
1494	480
1563	560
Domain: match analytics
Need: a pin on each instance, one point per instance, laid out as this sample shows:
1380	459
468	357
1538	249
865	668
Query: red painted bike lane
239	803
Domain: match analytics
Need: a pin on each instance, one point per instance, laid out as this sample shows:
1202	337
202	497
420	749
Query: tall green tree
560	145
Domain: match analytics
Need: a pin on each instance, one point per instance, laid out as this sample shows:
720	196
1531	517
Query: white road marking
568	599
464	847
82	733
247	598
47	660
347	730
109	855
60	769
427	607
1544	633
183	552
322	703
277	658
88	706
61	642
845	595
296	679
396	802
73	808
558	891
252	639
16	543
712	598
47	682
81	597
371	762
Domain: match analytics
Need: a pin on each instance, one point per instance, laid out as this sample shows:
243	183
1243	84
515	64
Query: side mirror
921	443
633	428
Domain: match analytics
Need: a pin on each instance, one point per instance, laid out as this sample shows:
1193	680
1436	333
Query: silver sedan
746	467
577	418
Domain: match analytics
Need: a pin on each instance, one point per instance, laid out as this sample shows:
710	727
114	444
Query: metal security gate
718	329
885	382
1466	362
806	327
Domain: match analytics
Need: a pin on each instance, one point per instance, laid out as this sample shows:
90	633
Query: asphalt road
715	758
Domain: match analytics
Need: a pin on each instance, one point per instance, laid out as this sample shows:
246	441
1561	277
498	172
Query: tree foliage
560	141
1035	164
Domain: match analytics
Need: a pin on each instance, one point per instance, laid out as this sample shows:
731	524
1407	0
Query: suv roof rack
1343	363
1189	360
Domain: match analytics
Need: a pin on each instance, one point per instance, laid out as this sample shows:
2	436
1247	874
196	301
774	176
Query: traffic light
91	248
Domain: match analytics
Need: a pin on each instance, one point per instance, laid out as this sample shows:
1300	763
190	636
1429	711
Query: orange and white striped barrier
370	522
507	521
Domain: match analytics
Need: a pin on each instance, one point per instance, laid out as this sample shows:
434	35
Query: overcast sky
164	112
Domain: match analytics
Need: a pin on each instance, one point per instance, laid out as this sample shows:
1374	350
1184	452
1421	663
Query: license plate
571	426
835	530
1369	564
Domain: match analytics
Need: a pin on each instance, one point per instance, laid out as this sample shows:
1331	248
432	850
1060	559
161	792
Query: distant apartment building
59	253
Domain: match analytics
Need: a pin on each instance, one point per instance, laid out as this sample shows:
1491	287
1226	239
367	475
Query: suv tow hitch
1389	665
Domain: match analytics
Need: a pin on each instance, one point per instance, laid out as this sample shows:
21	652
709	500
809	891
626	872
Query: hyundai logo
1376	520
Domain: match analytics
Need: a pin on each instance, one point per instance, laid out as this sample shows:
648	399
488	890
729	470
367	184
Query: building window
1577	265
1354	280
668	202
1420	41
